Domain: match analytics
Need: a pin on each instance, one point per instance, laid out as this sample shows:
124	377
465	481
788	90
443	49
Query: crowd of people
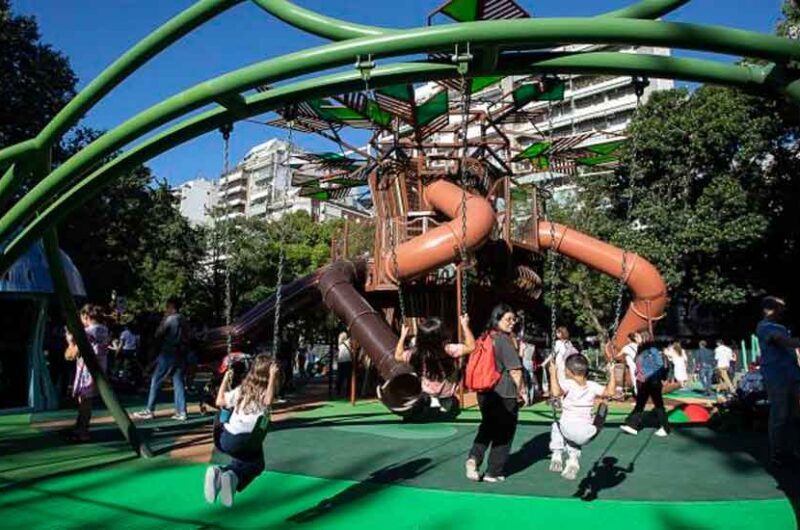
523	374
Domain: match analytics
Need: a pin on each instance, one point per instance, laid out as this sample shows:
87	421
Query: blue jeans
706	378
530	380
783	416
164	364
246	464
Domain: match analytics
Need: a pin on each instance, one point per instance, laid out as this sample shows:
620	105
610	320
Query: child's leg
556	448
246	470
577	434
634	420
84	416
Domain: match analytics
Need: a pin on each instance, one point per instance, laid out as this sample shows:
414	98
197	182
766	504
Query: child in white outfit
577	425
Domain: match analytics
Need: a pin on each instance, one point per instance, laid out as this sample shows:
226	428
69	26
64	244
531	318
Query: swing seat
255	442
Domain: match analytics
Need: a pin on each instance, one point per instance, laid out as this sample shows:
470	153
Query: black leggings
499	417
650	389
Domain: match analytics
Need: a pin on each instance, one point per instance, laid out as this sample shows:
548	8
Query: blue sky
92	33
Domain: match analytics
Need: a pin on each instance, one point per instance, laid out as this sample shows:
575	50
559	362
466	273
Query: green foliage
35	80
711	179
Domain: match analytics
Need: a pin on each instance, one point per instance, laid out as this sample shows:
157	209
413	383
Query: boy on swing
578	424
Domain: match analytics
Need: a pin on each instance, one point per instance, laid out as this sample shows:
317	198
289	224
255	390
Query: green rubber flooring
335	466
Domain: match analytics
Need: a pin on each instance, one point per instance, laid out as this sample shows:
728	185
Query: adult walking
724	356
171	339
344	365
781	373
499	406
650	373
705	363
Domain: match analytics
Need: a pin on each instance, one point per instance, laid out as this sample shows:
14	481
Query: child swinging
243	418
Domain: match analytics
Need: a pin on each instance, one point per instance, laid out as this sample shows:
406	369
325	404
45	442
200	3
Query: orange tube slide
647	285
440	246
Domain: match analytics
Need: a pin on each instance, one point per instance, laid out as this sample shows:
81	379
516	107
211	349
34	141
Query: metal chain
396	267
226	154
465	103
552	257
639	89
281	252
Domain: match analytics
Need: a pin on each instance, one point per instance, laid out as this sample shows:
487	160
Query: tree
36	81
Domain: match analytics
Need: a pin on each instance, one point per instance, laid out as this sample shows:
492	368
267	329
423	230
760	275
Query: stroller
748	408
240	363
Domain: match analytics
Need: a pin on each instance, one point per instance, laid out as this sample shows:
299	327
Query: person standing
705	363
129	342
680	360
84	389
499	406
650	373
781	373
562	349
628	356
724	357
172	341
344	365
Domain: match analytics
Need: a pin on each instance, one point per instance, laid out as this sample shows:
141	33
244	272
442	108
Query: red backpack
482	374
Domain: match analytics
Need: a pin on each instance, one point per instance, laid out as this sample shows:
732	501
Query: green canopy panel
346	182
596	160
304	124
368	112
472	10
397	100
606	148
541	91
532	151
478	84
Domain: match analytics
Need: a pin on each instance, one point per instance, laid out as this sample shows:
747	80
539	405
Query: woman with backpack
650	373
434	360
500	392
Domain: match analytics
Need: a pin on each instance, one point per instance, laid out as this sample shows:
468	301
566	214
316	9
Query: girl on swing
435	361
249	406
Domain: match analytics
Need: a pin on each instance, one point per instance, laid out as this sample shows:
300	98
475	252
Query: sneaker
212	484
227	488
144	415
472	470
571	470
662	433
556	465
493	479
628	429
179	417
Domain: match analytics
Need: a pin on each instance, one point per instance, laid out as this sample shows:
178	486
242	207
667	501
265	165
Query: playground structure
433	209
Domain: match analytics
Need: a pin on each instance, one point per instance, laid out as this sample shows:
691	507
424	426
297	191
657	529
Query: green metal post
75	327
744	355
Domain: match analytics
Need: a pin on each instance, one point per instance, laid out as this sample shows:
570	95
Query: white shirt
240	422
562	350
630	350
344	355
577	404
724	356
129	340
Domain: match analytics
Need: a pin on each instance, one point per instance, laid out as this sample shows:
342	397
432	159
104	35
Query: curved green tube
747	78
116	73
318	24
507	32
648	9
337	29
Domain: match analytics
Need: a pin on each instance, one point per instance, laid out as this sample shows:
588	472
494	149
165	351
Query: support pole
75	327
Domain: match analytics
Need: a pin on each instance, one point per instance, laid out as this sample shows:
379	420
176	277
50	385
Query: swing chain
462	60
552	257
639	86
226	153
281	252
396	266
465	104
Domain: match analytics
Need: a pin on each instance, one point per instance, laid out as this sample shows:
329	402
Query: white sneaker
628	429
493	479
212	484
556	464
144	415
227	489
662	433
571	470
472	470
179	417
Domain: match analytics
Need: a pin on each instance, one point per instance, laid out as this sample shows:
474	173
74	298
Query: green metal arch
516	33
746	78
